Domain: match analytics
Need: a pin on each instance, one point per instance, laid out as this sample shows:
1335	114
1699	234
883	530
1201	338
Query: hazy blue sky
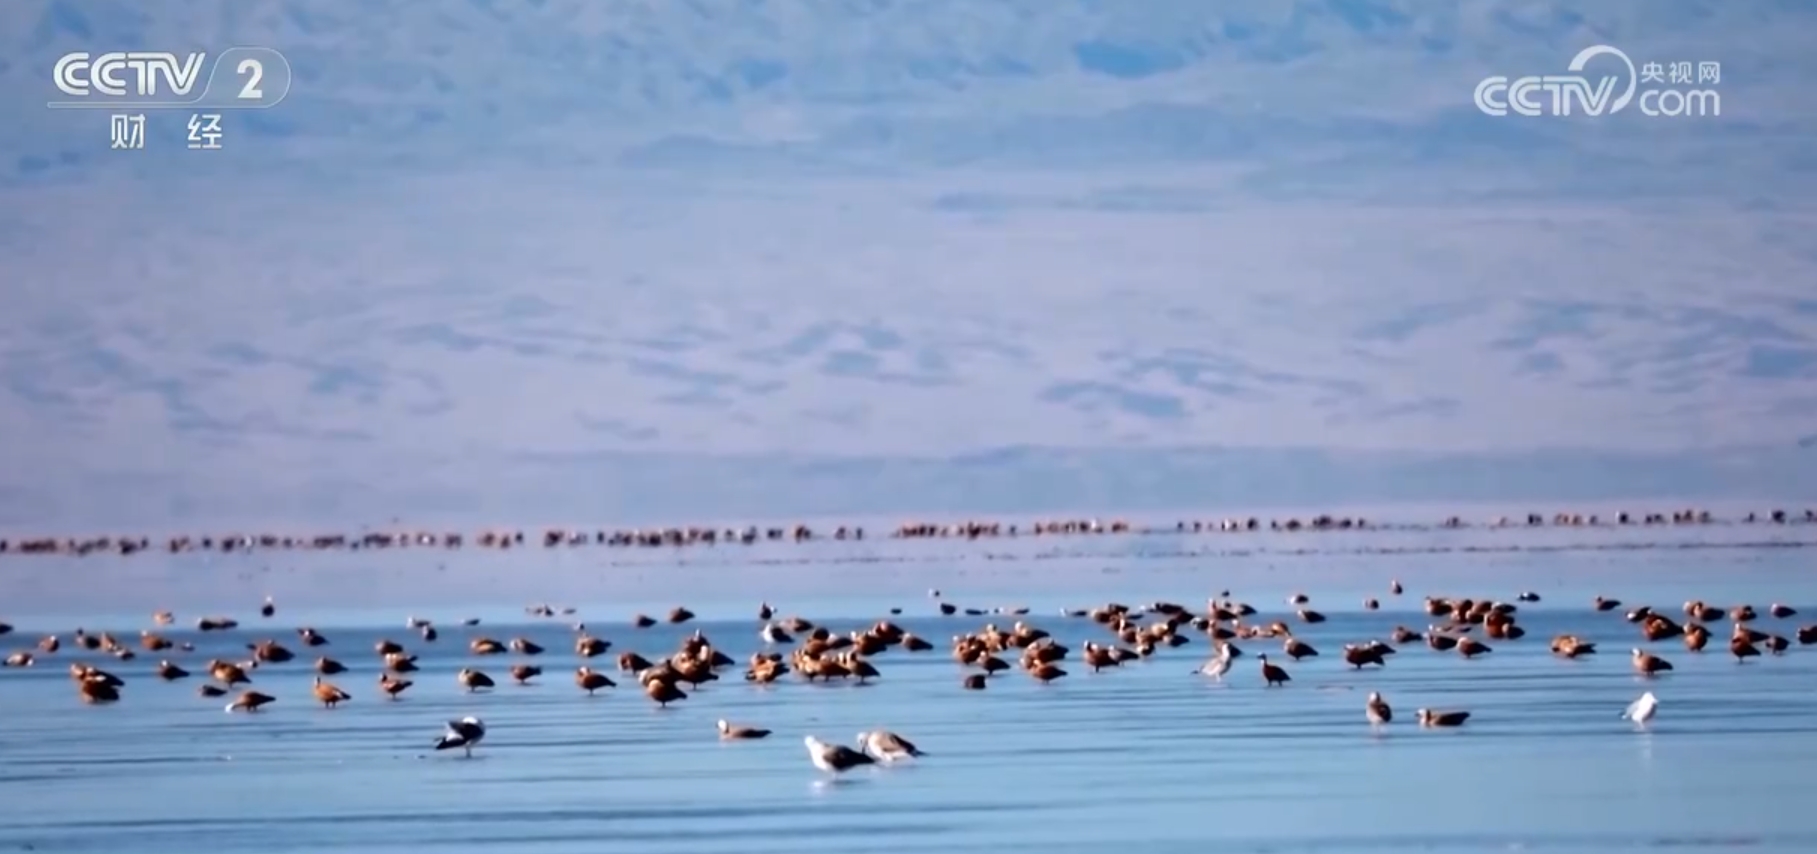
599	259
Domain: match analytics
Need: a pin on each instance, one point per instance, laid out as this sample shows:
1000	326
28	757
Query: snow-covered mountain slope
636	257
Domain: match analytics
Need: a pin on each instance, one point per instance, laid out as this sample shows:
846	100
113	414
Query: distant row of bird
153	641
566	537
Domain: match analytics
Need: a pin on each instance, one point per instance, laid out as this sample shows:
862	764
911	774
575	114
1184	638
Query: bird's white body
1643	709
464	734
1218	665
834	758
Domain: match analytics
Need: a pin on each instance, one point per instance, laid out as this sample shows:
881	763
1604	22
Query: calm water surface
1148	754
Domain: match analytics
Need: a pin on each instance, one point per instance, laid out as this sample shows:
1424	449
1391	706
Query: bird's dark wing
843	755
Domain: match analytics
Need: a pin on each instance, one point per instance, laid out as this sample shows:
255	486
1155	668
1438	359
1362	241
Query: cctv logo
1605	95
118	73
1593	100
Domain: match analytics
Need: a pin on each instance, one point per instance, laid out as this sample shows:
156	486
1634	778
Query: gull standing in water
835	758
887	746
1641	710
464	733
1218	665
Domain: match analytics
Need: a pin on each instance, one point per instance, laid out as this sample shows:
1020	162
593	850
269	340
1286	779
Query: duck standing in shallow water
329	695
834	758
589	680
1273	674
97	692
1648	664
1742	648
250	701
393	686
1377	710
465	734
473	680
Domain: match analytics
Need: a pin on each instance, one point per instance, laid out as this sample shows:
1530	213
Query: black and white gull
835	758
465	734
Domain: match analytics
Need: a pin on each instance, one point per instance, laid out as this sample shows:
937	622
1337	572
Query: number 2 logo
254	72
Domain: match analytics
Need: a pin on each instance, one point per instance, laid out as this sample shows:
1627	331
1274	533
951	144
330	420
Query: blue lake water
1148	754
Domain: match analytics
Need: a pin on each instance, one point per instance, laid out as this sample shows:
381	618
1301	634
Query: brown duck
1357	656
590	680
473	680
1648	664
1742	648
250	701
329	695
97	692
663	692
393	686
1273	674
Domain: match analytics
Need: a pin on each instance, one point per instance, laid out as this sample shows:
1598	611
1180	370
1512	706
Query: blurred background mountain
599	260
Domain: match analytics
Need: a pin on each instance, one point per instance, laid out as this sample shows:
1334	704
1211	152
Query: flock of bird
696	535
793	645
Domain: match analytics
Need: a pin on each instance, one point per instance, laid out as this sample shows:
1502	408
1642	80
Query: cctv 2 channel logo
240	78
